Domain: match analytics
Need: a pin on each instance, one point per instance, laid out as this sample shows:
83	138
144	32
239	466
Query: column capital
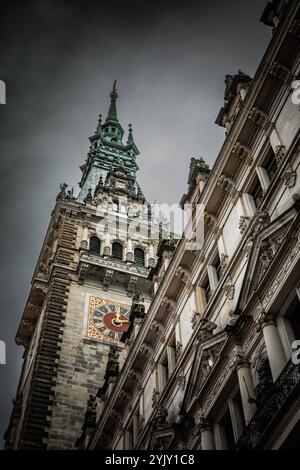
239	360
265	319
204	424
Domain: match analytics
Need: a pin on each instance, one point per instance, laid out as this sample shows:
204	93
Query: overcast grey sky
59	59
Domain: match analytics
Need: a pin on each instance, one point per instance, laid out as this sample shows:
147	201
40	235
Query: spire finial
130	136
114	94
112	113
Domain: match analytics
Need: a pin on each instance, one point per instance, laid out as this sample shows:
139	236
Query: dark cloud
59	59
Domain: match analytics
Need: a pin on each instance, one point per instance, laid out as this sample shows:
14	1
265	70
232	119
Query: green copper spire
112	113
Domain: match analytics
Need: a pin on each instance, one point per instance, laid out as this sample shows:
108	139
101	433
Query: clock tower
98	249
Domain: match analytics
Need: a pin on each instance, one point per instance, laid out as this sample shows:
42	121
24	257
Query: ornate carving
227	184
155	397
243	223
223	262
265	319
285	267
204	424
289	177
141	423
157	327
135	376
178	350
280	71
169	303
132	284
183	274
195	319
147	350
181	379
216	389
229	290
107	278
279	154
239	360
242	152
258	116
261	221
160	418
206	329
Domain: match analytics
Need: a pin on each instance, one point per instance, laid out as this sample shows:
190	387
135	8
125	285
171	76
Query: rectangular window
207	289
218	267
226	430
257	193
293	315
166	370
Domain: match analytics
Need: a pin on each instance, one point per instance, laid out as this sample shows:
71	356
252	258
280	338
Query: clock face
107	319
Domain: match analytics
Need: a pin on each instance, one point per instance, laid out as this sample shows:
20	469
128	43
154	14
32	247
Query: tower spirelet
130	135
112	113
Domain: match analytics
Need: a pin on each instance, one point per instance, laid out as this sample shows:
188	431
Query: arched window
139	257
95	245
117	250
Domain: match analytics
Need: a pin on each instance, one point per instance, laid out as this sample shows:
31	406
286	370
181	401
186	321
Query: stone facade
213	365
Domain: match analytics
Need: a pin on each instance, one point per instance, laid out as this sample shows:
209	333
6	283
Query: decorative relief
229	290
132	284
216	389
261	221
289	177
155	397
147	350
243	223
223	262
183	274
242	152
181	379
280	71
279	154
294	254
227	184
265	319
157	327
107	278
258	116
195	319
178	350
169	303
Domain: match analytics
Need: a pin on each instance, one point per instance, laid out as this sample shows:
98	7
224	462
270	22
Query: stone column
129	253
85	236
151	261
107	247
274	347
207	437
246	386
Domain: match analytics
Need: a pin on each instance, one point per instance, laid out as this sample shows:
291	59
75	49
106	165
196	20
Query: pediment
265	246
206	355
161	438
